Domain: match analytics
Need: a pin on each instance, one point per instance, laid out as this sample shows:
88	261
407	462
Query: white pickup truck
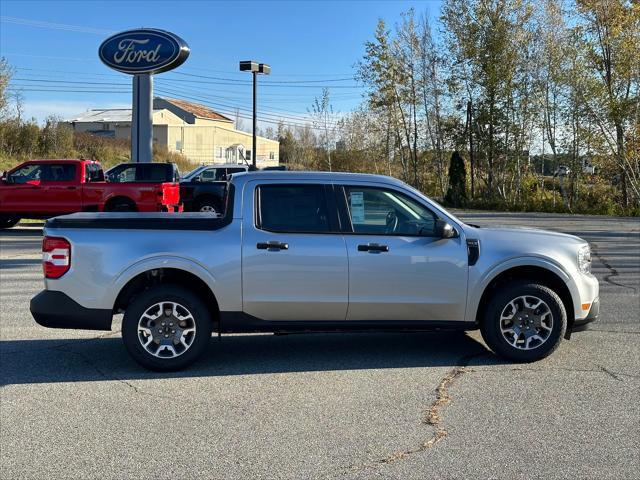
298	252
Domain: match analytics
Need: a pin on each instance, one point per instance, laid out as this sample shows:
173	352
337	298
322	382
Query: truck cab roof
327	177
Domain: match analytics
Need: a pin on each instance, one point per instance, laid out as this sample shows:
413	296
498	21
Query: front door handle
71	187
373	247
272	245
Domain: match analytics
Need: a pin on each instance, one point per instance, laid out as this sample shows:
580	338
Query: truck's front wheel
524	322
166	328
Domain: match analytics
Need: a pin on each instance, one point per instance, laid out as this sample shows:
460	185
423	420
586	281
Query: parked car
46	188
204	188
297	252
143	173
214	173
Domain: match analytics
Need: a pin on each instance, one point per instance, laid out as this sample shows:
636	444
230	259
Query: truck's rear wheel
8	222
166	328
208	205
524	322
120	205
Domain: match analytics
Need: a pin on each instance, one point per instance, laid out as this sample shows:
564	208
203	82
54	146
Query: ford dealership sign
143	51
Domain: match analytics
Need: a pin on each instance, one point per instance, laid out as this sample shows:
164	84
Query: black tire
166	293
8	222
205	203
491	323
120	205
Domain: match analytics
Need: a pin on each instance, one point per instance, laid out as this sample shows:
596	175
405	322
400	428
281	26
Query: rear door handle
71	187
373	247
272	245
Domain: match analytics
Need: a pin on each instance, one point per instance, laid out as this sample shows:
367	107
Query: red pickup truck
46	188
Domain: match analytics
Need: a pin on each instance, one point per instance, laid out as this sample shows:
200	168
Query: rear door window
59	172
293	208
153	173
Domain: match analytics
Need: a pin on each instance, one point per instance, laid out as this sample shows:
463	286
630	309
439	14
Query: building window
219	152
272	155
179	145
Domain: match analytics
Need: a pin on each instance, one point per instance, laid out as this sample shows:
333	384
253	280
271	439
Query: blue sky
53	45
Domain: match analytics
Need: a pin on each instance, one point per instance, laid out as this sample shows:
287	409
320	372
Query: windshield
193	173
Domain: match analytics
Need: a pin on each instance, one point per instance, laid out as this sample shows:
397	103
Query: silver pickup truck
299	252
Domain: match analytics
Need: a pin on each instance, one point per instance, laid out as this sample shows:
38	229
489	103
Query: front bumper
592	316
57	310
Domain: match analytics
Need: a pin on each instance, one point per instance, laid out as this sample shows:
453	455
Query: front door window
379	211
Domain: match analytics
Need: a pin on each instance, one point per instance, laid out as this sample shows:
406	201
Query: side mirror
444	229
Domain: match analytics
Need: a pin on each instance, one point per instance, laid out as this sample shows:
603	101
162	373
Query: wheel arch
543	274
207	196
119	198
167	273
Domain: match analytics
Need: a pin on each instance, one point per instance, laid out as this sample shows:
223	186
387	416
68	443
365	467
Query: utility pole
471	159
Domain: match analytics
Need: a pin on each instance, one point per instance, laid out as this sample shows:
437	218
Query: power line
166	78
268	82
221	81
296	115
231	112
66	91
54	26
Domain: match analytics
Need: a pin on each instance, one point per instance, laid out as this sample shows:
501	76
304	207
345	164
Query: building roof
196	109
104	115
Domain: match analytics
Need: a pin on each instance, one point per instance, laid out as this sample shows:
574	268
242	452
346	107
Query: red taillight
56	256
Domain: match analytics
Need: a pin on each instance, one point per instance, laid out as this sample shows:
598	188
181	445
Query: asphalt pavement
339	406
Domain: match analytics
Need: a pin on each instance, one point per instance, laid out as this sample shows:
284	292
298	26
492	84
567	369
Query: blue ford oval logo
143	51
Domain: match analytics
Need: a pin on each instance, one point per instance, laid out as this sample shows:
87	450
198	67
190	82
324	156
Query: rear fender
153	263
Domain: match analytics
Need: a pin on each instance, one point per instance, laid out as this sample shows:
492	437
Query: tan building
201	134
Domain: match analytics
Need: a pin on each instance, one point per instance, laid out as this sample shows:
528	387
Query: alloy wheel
166	329
526	322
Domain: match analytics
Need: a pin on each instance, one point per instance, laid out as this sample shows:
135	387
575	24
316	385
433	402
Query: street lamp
255	68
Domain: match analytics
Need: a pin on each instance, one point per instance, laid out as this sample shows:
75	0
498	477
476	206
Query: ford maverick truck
302	252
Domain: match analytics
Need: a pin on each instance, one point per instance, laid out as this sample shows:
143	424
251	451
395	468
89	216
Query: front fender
483	280
152	263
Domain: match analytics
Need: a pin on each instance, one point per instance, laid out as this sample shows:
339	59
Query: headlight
584	259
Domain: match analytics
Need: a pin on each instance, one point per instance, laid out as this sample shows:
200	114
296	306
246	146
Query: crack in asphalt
600	369
612	271
106	375
625	332
612	374
431	416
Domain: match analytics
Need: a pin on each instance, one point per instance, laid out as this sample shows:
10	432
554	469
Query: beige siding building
202	135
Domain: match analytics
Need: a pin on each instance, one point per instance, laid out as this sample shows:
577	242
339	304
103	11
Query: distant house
196	131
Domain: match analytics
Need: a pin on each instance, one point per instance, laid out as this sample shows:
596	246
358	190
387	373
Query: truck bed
140	221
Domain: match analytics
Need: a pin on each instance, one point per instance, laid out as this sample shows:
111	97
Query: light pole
255	68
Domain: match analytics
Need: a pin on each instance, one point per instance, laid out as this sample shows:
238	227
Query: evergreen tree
457	191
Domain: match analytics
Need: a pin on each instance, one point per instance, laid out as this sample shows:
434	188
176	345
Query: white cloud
41	109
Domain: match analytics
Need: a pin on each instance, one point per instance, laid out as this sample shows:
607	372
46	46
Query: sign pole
142	119
143	53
